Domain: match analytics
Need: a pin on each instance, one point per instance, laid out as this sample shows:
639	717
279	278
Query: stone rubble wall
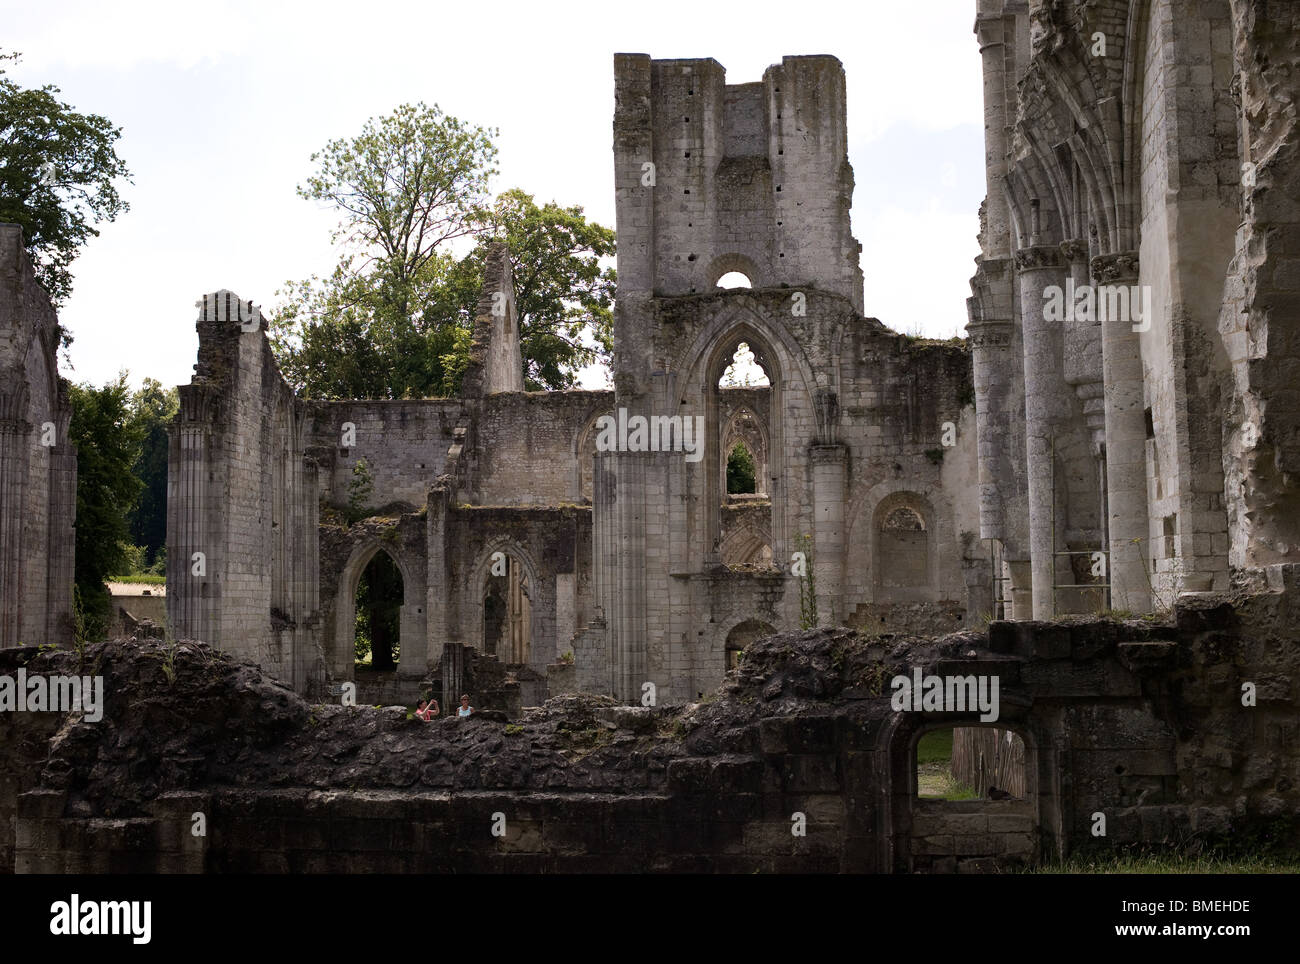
1140	721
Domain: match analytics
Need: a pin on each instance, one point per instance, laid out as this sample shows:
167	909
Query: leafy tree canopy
394	319
740	470
561	289
152	408
58	170
108	439
408	184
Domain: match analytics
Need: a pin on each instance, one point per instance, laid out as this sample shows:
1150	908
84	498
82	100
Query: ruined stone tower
754	178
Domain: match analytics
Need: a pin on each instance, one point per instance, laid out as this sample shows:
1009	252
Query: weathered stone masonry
38	464
1139	721
1147	146
637	563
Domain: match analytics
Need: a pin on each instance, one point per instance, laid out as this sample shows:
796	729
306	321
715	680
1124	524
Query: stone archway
505	595
410	616
741	635
943	835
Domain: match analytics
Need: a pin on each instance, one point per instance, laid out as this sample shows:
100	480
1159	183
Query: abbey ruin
637	563
1117	437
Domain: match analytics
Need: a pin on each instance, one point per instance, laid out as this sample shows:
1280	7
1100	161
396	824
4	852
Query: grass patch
1173	863
145	578
934	780
935	747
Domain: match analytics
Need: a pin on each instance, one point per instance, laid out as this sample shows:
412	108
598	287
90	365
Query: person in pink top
427	710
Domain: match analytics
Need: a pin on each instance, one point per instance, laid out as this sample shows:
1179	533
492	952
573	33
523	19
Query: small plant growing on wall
360	490
807	583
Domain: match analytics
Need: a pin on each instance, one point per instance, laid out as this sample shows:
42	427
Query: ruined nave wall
38	463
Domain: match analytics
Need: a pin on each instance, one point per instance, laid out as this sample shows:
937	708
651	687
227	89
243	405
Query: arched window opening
741	453
734	279
587	466
740	471
903	549
741	636
745	370
507	611
379	598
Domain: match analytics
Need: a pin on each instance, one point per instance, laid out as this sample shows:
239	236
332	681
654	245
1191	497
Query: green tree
408	184
379	607
563	293
360	489
108	439
152	408
58	170
395	318
740	469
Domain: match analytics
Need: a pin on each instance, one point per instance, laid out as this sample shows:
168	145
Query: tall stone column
629	622
188	603
598	676
15	437
829	473
1126	463
992	367
1082	356
1038	268
62	536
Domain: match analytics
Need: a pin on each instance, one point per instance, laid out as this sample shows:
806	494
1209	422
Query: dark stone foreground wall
1140	722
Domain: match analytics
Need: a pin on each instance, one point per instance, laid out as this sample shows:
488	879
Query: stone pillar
15	437
188	601
1019	590
62	536
1039	268
438	595
993	370
991	30
1126	460
1082	356
453	677
604	563
628	653
830	468
309	659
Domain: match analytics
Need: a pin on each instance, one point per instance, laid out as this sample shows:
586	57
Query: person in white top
465	708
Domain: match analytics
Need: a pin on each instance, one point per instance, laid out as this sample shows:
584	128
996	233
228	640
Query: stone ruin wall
242	503
1139	721
1144	163
625	556
755	178
38	463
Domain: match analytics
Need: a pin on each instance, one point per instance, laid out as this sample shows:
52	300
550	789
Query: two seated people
427	709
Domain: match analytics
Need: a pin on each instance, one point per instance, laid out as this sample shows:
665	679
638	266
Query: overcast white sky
223	103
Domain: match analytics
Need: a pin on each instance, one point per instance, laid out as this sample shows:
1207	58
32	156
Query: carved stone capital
1074	250
13	405
989	334
823	454
198	403
1037	256
1110	268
